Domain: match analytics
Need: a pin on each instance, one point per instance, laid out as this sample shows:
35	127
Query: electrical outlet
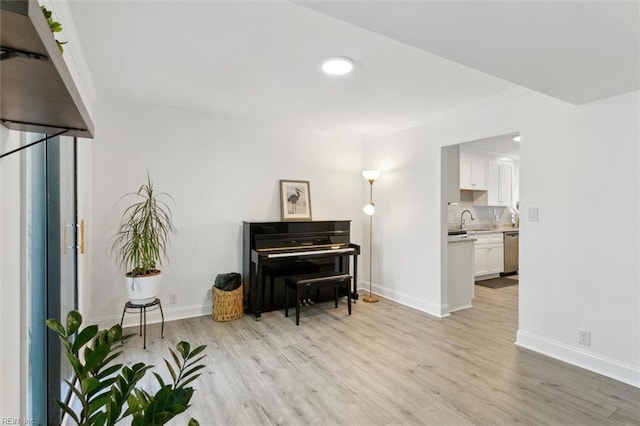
173	299
584	337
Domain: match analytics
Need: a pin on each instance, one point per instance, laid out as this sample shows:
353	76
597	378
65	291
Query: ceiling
260	60
501	144
576	51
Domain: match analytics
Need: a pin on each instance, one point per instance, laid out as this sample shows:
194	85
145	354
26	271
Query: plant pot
143	289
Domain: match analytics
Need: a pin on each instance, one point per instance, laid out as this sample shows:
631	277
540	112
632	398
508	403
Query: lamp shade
371	174
369	209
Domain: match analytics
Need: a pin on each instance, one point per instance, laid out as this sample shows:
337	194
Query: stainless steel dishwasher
510	252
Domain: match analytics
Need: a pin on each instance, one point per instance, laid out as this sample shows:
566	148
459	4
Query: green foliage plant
143	236
107	391
54	26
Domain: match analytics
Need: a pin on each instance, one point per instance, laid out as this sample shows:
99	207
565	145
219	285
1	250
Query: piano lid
297	235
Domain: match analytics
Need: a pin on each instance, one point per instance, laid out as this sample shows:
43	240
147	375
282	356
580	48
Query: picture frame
295	200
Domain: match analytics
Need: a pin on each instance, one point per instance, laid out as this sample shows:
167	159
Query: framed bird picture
295	200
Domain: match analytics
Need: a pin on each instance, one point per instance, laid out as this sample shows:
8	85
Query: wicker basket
227	305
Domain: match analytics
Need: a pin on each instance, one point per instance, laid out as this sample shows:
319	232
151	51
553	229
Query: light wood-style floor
386	365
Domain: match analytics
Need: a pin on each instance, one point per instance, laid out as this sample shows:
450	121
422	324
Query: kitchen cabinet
485	178
473	173
500	184
489	253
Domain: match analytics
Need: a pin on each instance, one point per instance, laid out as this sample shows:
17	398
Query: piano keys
278	249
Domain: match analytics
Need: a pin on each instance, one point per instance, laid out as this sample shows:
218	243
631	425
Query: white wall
581	259
11	332
579	166
220	172
406	261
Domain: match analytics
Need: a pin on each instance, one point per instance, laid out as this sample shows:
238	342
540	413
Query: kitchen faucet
462	224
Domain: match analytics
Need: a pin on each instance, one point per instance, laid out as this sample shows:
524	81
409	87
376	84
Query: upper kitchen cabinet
487	178
500	184
473	172
37	91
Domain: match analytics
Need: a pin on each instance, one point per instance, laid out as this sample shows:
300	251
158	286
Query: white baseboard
132	318
437	310
617	370
445	311
459	308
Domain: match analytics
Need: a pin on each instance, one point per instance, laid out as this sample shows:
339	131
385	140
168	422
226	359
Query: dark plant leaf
193	370
56	326
197	350
96	357
171	371
74	320
64	407
84	337
109	371
175	358
184	348
159	379
98	403
89	384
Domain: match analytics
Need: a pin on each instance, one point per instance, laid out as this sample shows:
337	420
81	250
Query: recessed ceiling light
516	138
337	66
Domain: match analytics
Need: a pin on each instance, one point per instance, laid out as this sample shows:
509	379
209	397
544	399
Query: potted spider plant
141	242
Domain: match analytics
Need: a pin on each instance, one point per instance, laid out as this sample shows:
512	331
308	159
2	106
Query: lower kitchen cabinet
489	254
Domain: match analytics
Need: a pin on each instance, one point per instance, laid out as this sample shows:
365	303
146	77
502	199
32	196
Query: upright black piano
277	249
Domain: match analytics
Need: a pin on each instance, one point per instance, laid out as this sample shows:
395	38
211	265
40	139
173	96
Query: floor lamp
369	209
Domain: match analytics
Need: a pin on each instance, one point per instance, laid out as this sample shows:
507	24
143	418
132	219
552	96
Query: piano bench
280	270
316	280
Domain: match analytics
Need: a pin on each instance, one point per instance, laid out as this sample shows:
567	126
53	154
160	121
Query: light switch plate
532	213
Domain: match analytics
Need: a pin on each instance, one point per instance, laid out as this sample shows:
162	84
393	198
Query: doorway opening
480	218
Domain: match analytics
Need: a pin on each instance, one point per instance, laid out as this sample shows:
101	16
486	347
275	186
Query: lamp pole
371	176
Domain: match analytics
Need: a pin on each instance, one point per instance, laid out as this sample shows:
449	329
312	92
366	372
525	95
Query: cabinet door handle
82	236
73	226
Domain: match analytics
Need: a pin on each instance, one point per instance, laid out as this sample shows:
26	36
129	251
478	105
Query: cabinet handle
65	245
80	237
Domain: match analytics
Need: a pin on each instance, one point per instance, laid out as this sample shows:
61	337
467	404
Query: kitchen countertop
506	228
471	232
460	238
